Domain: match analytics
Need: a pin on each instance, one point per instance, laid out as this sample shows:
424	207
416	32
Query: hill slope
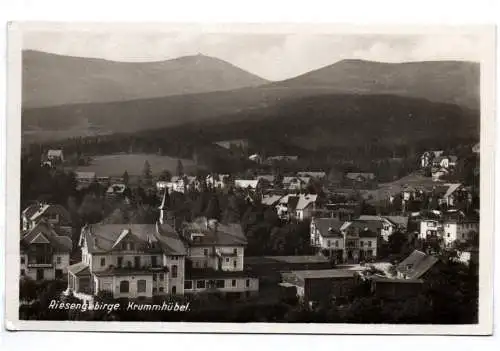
50	79
442	81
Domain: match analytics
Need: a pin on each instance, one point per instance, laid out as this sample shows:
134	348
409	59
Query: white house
458	227
389	224
296	183
54	214
248	184
55	156
299	206
44	253
218	181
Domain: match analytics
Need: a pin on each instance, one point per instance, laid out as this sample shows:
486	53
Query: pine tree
147	177
213	209
180	168
125	178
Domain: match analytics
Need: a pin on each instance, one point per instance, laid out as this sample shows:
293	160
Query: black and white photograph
250	174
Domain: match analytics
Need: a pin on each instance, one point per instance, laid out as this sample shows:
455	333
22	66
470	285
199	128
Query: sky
271	55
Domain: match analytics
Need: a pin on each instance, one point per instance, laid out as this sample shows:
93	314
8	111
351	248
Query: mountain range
67	96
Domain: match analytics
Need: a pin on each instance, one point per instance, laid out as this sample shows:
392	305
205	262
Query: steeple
164	206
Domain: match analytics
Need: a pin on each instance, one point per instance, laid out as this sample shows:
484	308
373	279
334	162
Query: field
116	164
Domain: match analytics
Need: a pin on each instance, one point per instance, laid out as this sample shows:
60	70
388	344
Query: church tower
165	214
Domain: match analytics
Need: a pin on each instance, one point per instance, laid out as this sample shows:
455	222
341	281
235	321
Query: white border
487	165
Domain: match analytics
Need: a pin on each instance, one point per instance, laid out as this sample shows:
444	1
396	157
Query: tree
213	209
180	168
165	175
232	213
125	178
147	176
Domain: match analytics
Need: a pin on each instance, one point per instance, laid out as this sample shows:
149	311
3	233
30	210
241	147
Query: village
310	239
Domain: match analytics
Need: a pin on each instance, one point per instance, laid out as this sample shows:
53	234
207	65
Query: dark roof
59	243
398	220
208	273
416	264
365	228
324	273
214	233
379	279
285	259
328	227
121	271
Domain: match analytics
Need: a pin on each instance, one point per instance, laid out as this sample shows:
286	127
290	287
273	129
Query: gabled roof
79	269
45	233
117	188
328	227
37	211
271	200
365	229
102	238
416	264
398	220
305	200
451	189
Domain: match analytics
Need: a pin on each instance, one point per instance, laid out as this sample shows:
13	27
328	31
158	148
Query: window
227	259
205	252
174	271
131	246
23	260
448	235
369	244
336	243
103	262
233	283
58	259
361	243
174	290
119	261
59	274
188	285
154	290
124	246
247	283
328	243
369	253
235	263
200	284
161	276
219	283
153	261
141	286
197	264
124	286
235	251
160	289
22	272
129	264
205	264
137	261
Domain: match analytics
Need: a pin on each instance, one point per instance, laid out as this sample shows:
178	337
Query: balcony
40	265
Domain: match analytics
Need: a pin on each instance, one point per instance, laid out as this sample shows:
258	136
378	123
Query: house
360	177
231	144
84	179
54	214
44	253
161	185
129	261
296	183
266	179
316	175
321	285
117	190
248	184
438	173
217	181
349	242
454	194
393	288
427	157
255	158
300	206
458	227
416	266
271	267
271	200
55	156
216	257
390	224
430	226
444	161
360	240
325	235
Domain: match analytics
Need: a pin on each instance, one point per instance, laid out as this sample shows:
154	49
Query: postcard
250	178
